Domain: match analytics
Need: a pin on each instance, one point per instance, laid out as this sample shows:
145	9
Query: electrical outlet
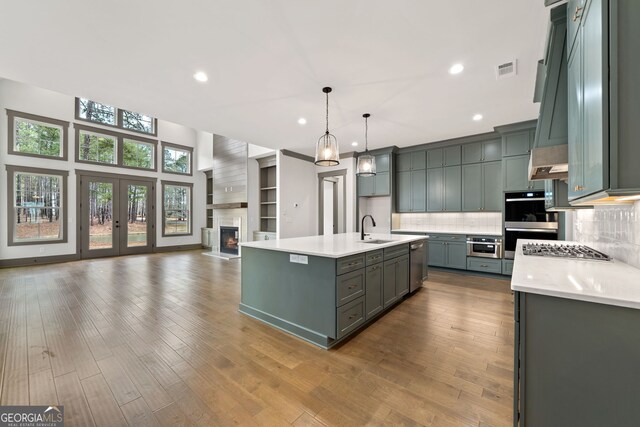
293	258
303	259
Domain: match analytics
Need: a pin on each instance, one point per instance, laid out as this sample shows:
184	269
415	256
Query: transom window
107	147
176	208
37	212
31	135
176	159
109	115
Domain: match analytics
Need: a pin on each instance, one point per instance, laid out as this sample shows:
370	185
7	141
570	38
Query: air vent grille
508	69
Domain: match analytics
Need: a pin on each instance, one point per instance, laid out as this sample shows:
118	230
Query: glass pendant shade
366	165
366	162
327	153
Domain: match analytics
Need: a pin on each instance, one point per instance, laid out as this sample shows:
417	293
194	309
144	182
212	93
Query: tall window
176	159
109	115
38	136
176	208
37	212
97	147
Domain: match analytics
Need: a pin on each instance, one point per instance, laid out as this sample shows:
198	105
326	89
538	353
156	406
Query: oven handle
535	199
496	243
534	230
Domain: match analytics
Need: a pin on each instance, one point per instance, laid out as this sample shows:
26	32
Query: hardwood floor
157	340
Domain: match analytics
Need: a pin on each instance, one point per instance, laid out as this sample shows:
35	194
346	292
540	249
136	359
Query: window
176	208
92	111
96	147
96	112
37	212
176	159
111	148
138	154
31	135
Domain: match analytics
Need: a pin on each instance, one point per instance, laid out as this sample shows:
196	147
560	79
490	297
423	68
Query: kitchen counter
606	282
332	246
485	232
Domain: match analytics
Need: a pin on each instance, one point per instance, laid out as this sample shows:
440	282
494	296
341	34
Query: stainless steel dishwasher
418	267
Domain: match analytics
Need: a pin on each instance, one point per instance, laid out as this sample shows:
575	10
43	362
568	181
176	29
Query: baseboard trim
25	262
177	248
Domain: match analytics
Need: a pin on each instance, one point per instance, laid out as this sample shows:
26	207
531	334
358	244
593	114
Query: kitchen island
324	288
577	340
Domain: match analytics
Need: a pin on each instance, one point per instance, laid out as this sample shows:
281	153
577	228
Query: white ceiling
267	62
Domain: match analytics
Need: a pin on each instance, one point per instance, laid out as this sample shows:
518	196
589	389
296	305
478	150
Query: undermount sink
376	241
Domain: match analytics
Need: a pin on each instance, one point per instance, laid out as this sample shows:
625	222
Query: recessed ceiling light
200	76
477	117
302	121
354	143
456	69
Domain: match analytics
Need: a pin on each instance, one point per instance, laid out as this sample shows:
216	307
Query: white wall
204	151
614	230
33	100
349	165
297	197
380	209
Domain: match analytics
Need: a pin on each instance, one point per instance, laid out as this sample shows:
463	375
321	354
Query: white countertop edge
577	297
292	245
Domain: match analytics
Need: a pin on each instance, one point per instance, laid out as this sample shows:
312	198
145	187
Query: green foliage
176	160
137	121
137	154
97	148
35	138
96	112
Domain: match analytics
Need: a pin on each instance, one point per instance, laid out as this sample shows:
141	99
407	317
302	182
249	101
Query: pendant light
327	153
366	162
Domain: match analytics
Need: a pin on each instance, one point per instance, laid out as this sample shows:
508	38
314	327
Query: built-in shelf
268	193
209	175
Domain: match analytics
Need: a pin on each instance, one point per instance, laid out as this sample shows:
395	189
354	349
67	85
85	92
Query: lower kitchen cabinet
395	279
507	267
448	251
373	295
486	265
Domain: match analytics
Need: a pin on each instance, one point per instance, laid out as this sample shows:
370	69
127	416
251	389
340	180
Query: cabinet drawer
448	237
487	265
349	286
350	263
395	251
350	316
374	257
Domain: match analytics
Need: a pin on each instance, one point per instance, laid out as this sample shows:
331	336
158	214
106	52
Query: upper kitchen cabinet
603	92
515	174
415	160
482	187
444	189
517	143
380	183
446	156
485	151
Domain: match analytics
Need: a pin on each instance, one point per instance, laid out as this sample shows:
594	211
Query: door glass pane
100	215
136	215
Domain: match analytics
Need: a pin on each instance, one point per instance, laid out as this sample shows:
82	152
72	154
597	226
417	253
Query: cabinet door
452	156
492	150
435	158
574	109
435	190
389	282
418	160
515	173
472	153
382	163
492	196
373	295
595	81
452	189
402	276
472	187
365	185
437	254
456	255
403	162
418	191
575	9
381	184
403	189
516	144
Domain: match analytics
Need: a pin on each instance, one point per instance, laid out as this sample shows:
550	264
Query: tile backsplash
471	222
614	230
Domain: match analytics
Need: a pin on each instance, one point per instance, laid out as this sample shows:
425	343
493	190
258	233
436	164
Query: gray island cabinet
323	288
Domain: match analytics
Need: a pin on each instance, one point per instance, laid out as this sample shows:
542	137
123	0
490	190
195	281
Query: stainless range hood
549	163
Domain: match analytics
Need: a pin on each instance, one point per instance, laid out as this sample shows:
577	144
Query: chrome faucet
373	221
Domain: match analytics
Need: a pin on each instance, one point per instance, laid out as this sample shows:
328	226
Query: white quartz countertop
606	282
473	232
332	246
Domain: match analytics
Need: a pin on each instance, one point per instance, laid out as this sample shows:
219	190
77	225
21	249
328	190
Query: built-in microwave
487	247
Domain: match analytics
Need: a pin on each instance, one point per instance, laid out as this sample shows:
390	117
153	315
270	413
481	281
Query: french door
117	216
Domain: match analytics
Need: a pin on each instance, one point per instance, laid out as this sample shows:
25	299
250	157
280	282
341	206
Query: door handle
575	14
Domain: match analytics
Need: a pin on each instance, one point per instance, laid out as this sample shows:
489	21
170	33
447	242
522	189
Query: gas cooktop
563	251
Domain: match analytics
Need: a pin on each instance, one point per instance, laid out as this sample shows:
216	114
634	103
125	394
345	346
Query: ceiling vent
508	69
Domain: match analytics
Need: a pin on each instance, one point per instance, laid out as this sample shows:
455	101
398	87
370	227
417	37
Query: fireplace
229	239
